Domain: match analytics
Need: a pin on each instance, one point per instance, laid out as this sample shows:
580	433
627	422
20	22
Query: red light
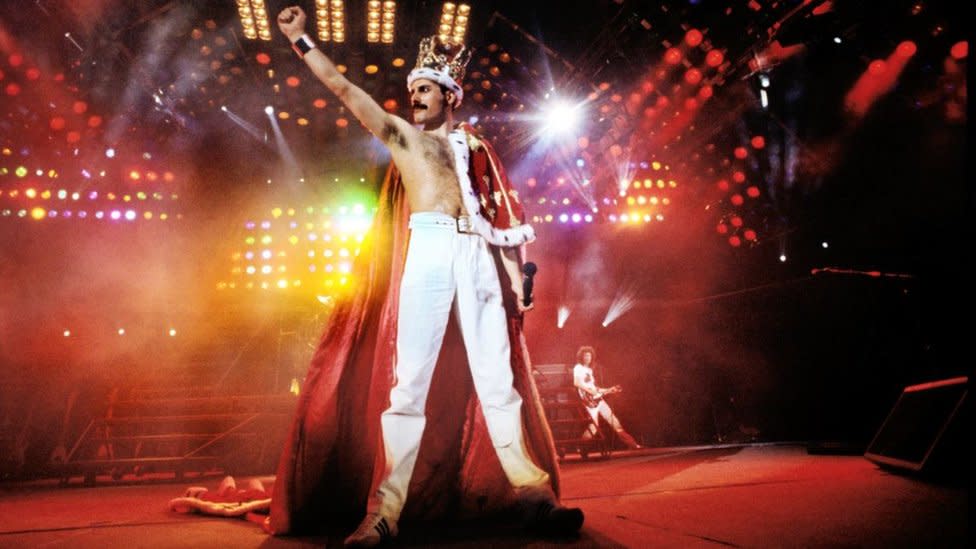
57	123
647	86
292	81
94	121
737	199
723	184
906	49
73	137
877	67
319	103
959	50
263	58
750	235
736	221
738	177
722	228
691	103
735	241
705	92
342	122
740	153
662	102
390	104
33	73
758	142
12	89
753	191
15	59
693	38
672	56
714	58
79	107
693	76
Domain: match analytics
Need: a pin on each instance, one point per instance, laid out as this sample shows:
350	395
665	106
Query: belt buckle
464	224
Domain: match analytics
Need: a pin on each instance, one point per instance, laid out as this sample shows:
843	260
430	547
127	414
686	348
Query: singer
448	188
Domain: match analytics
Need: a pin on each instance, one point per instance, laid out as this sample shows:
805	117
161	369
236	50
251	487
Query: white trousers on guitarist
447	272
601	410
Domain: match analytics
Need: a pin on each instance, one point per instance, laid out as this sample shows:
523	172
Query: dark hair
585	349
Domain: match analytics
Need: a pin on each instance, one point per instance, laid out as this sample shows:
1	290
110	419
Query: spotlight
269	109
560	117
562	314
110	152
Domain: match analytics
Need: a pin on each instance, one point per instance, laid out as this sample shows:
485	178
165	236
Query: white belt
461	224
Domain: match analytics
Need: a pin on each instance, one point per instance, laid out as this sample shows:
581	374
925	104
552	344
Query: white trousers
449	271
601	410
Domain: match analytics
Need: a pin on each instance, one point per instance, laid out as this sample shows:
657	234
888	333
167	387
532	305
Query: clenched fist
291	21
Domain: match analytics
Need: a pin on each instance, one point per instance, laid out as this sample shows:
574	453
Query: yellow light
67	333
172	332
38	213
282	284
30	193
276	213
656	165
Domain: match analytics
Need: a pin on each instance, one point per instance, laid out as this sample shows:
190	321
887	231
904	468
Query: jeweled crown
434	54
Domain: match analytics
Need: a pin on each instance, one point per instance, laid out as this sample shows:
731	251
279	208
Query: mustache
419	106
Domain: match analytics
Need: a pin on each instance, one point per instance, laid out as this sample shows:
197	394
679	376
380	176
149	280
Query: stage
753	495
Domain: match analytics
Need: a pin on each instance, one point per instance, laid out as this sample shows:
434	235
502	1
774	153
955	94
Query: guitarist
593	398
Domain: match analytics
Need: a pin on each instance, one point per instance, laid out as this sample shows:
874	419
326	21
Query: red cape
326	470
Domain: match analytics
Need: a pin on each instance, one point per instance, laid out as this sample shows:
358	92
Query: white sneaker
373	530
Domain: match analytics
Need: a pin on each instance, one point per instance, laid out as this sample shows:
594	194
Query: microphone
528	270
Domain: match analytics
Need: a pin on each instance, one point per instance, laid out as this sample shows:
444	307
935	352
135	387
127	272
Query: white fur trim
506	238
441	78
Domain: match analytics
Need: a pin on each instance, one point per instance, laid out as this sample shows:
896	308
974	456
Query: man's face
587	358
427	102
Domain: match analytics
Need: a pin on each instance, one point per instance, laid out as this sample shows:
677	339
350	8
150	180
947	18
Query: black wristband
303	45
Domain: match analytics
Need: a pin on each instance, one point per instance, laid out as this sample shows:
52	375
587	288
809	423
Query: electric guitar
592	401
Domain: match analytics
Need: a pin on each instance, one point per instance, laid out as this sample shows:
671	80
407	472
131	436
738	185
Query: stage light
130	215
560	117
121	331
269	110
67	333
110	152
824	245
562	314
38	213
172	332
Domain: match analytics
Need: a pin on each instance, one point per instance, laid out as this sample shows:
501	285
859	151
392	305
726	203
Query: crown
436	55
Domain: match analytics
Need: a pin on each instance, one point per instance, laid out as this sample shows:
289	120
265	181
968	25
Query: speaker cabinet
924	431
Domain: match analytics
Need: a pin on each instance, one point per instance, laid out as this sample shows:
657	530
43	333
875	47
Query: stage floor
757	495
